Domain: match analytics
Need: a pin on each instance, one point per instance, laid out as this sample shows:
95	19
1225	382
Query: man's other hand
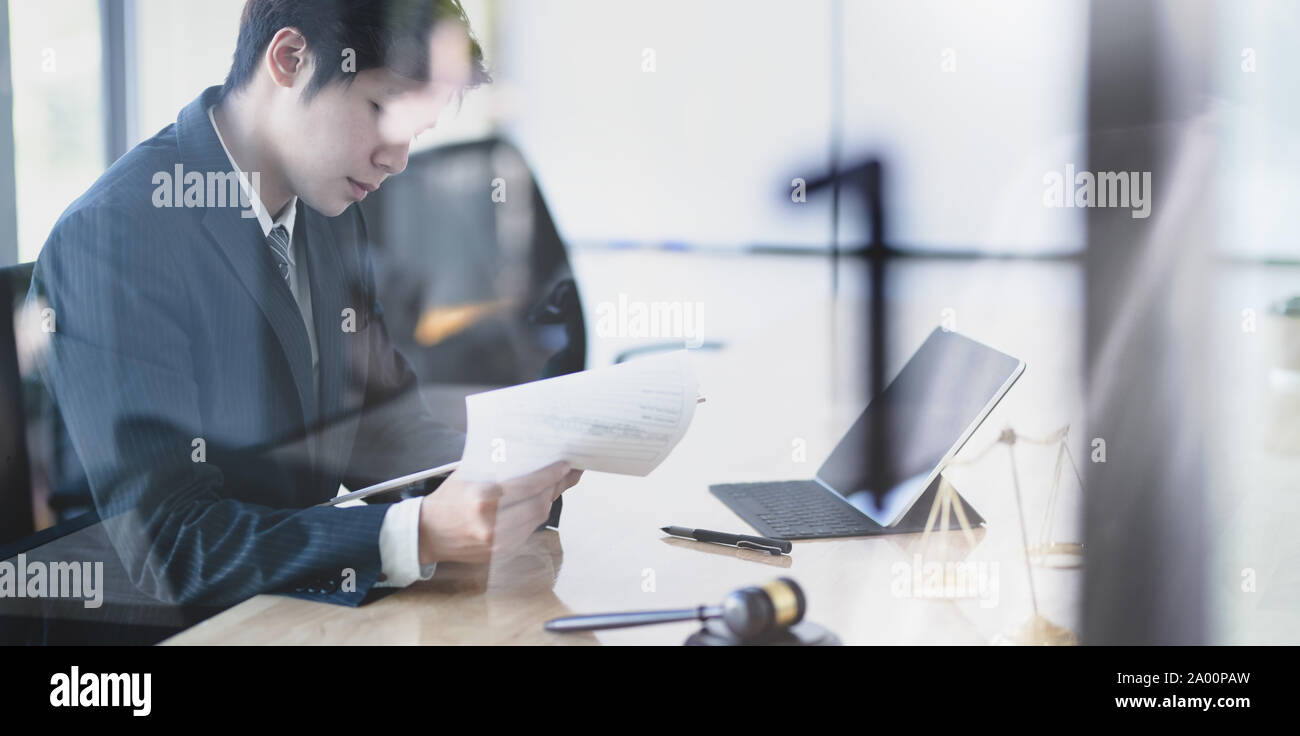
472	521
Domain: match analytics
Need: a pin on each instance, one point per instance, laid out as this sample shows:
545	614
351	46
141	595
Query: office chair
475	280
29	416
18	518
32	414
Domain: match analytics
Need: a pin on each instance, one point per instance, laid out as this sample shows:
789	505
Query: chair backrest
473	275
17	519
24	403
43	486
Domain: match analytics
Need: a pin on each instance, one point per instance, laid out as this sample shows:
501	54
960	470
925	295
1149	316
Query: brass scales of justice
1046	552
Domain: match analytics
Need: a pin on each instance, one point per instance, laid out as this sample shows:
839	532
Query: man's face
349	138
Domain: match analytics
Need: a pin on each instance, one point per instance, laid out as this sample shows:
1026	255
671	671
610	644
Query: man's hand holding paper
474	521
622	419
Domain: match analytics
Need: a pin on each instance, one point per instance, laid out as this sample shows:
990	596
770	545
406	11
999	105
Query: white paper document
621	419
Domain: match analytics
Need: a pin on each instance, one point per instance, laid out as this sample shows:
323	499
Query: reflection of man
221	373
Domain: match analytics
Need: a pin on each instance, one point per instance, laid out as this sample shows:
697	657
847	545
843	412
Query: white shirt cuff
399	546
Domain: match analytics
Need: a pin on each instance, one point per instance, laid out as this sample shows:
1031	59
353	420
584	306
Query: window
54	46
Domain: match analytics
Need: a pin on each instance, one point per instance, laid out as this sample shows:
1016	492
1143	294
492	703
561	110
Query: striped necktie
279	242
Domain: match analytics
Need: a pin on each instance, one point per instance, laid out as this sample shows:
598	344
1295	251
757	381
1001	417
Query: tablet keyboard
795	509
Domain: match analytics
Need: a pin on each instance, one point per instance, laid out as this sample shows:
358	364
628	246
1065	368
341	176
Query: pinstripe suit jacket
182	368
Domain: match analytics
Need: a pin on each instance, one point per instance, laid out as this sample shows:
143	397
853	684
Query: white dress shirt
399	535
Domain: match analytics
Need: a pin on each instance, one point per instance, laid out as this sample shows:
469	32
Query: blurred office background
665	141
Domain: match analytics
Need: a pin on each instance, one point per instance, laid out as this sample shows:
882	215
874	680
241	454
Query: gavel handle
633	618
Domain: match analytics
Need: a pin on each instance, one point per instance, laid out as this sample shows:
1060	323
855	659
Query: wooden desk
609	554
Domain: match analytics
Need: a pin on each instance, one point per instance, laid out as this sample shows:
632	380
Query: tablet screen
889	456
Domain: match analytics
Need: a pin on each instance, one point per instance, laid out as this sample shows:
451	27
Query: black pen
771	546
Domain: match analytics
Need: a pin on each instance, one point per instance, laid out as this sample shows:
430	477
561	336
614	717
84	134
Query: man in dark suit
220	356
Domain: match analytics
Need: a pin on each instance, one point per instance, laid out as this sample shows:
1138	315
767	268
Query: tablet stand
940	496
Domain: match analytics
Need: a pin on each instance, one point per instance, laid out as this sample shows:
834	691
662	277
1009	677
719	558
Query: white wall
970	102
702	150
181	48
1257	113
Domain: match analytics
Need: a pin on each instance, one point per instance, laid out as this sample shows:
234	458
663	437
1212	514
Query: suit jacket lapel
245	250
241	242
341	352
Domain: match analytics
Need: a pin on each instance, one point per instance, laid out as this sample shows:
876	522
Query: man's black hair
393	34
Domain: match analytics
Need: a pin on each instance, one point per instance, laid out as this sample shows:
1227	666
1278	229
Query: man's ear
286	57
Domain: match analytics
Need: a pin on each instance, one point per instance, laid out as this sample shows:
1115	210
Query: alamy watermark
181	188
102	690
921	579
679	320
41	579
1131	189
